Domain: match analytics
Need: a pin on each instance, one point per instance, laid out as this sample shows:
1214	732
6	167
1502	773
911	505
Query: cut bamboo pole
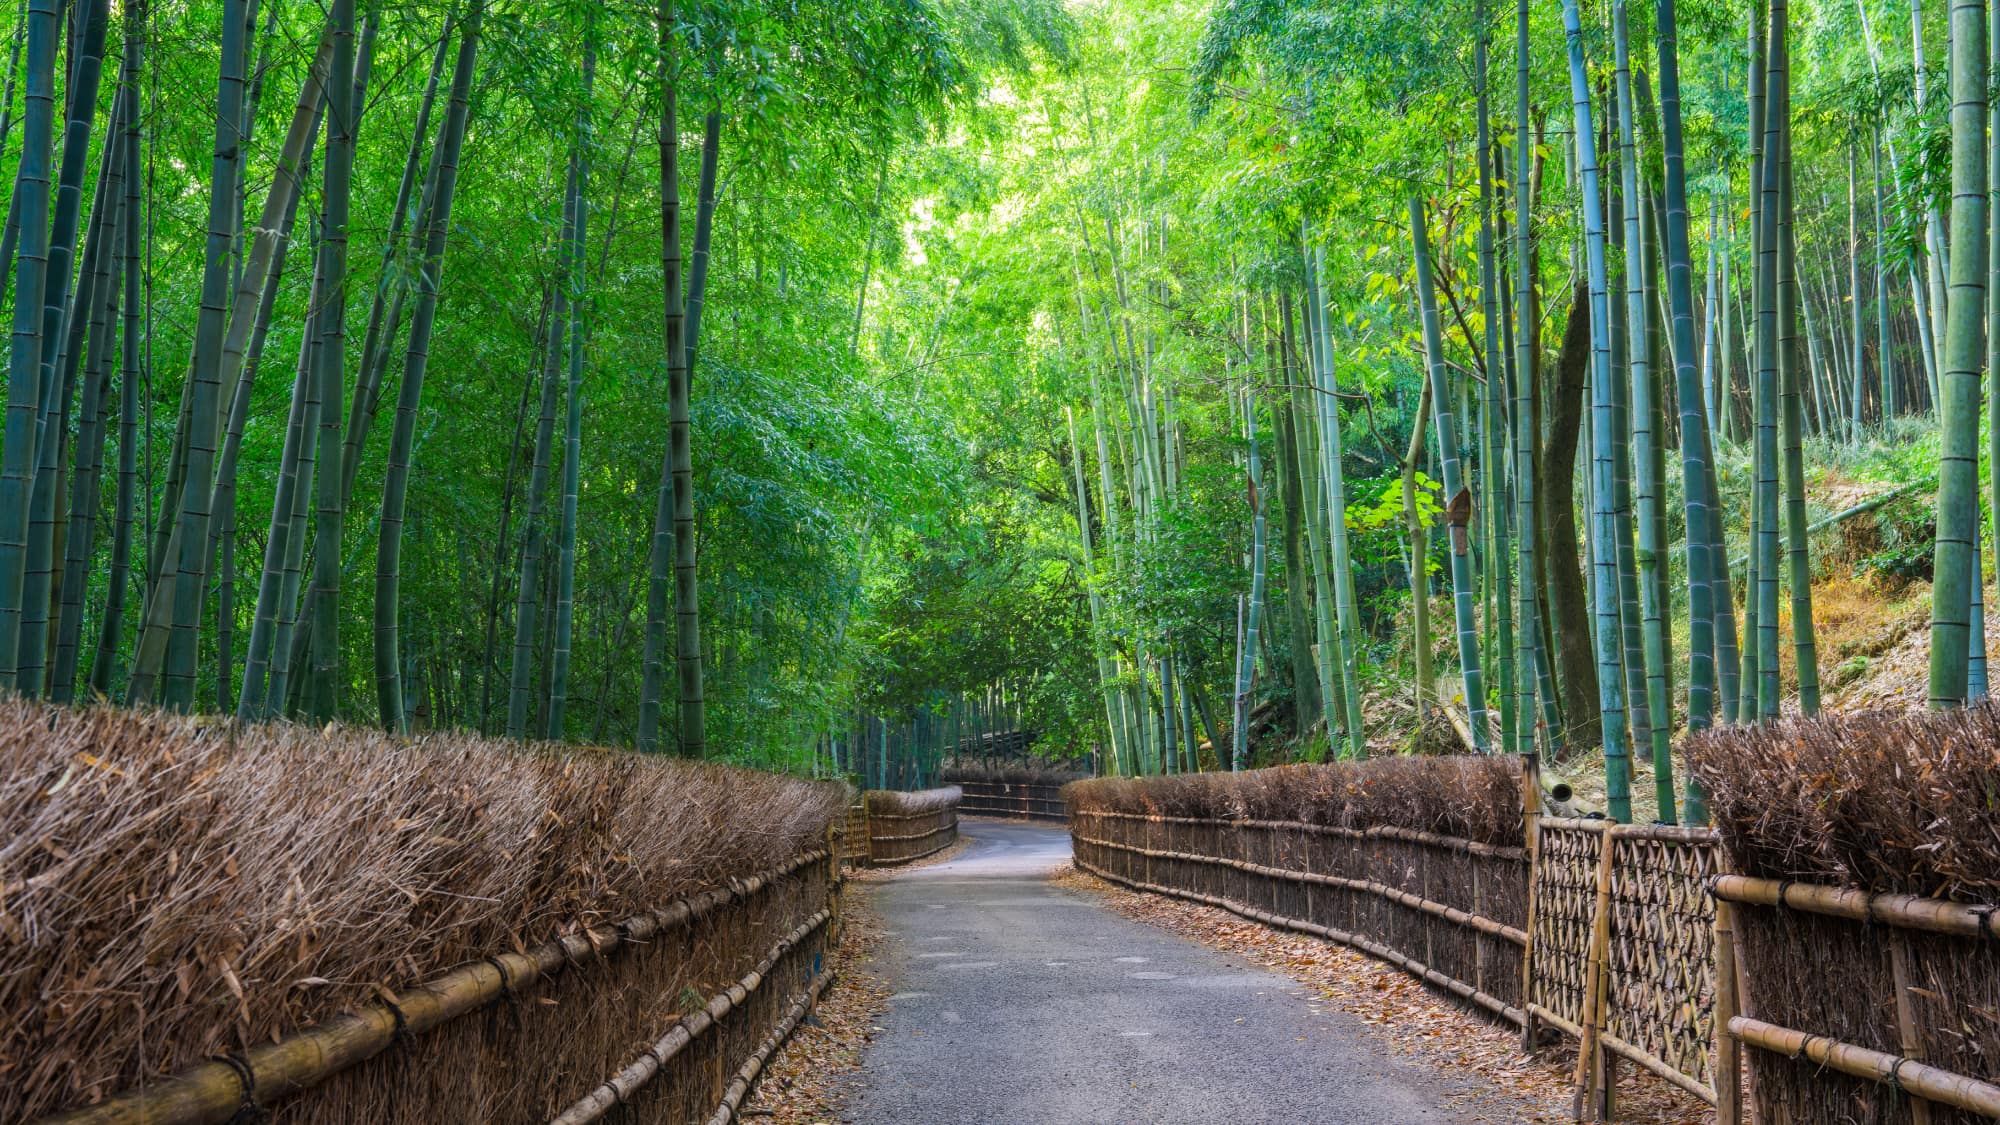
1911	1076
1593	1078
1909	1035
1905	911
1531	813
1728	1075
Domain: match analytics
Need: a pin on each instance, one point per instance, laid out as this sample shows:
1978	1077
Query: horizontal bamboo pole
1904	911
1918	1078
1414	901
746	1076
914	835
1561	1023
1409	965
213	1092
648	1065
1665	1070
1377	832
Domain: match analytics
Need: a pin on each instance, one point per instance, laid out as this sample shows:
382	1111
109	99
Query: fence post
1728	1053
1909	1034
1595	1080
1531	816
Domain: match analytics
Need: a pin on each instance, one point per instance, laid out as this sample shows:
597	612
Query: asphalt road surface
1020	1002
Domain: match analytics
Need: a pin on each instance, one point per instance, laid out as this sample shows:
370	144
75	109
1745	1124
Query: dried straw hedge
172	889
1888	803
907	826
1472	797
891	803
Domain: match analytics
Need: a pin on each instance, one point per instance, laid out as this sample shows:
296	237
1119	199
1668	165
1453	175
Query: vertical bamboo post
1479	939
1728	1052
1594	1080
1908	1031
1531	815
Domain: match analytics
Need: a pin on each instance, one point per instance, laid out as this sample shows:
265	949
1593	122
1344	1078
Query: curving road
1020	1002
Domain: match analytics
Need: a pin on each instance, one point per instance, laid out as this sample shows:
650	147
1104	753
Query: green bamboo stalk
104	663
1335	682
1648	440
559	657
1246	659
84	492
1622	264
1992	307
1105	673
1791	299
1454	485
52	410
527	602
1610	683
1535	726
1493	453
409	396
191	526
1765	457
323	695
1958	507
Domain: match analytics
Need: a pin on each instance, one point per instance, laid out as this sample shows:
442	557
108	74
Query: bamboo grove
1215	382
483	201
1323	304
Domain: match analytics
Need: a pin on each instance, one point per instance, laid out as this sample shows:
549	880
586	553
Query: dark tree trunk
1569	607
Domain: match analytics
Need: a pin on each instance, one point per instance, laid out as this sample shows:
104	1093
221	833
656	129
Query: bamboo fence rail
1019	800
224	1089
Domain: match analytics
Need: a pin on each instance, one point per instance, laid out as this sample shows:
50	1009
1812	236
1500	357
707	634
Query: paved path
1021	1002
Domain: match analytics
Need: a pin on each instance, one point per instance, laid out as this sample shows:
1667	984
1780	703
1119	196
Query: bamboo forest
838	387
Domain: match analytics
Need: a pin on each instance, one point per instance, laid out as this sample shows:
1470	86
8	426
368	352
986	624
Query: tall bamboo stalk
1604	589
552	725
1458	506
1246	659
1958	508
1493	452
409	397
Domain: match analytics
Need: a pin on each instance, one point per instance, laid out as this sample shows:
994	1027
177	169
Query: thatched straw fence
199	919
1012	793
1445	868
907	826
1863	913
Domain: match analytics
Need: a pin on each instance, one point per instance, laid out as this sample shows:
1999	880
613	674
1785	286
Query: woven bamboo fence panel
1660	954
1019	800
1567	859
909	826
